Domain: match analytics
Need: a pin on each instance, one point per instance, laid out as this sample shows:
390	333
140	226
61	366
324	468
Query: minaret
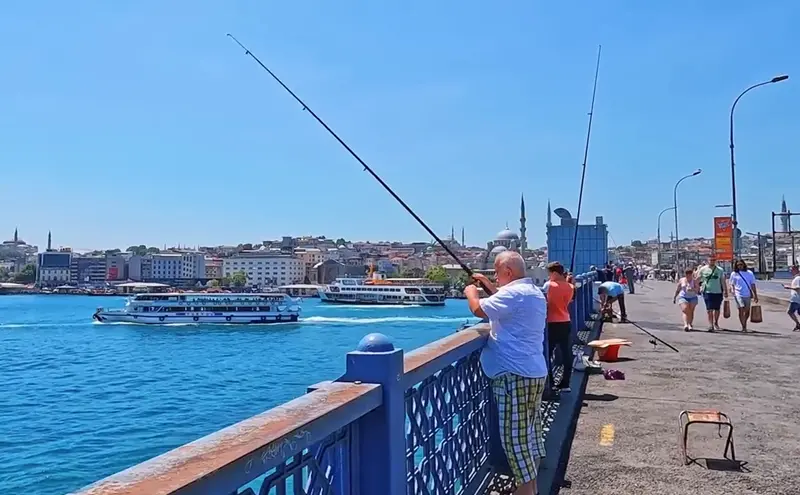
523	241
463	244
784	216
452	233
49	241
16	236
549	215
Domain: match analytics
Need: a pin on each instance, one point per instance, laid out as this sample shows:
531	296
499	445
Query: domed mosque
506	240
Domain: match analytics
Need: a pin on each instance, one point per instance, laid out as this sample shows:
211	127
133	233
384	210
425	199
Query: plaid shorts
518	399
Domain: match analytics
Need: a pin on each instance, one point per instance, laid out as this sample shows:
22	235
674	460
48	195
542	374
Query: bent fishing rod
367	168
585	159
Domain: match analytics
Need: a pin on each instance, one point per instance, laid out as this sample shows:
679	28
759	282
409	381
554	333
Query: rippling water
81	400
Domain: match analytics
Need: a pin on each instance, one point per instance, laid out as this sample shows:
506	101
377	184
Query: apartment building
265	268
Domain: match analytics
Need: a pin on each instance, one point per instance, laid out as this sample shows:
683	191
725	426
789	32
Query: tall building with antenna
523	240
784	215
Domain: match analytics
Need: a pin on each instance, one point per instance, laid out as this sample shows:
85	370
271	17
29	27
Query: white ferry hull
362	301
165	319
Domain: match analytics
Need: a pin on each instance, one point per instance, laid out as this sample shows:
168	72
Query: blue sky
140	122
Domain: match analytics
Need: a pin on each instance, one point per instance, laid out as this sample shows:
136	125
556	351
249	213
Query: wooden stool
708	417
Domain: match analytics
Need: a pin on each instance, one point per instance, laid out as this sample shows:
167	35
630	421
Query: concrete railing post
380	467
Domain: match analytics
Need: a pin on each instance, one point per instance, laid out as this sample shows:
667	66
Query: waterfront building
87	270
53	268
166	266
213	268
265	268
310	257
193	265
116	267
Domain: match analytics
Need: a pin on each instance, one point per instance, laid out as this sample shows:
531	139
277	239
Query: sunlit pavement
627	438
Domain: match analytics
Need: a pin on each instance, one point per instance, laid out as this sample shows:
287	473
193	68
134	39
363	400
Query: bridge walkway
627	436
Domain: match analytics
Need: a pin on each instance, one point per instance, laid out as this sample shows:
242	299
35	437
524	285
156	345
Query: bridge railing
394	424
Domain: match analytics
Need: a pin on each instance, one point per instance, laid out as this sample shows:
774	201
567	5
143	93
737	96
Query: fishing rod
585	159
367	168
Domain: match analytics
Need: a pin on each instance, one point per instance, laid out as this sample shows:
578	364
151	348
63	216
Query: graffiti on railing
447	430
313	470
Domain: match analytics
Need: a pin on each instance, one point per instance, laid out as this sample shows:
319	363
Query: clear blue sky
140	122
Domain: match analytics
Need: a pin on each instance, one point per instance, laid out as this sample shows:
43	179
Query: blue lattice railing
447	428
393	424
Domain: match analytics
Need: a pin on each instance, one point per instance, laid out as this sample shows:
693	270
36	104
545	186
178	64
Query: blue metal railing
393	424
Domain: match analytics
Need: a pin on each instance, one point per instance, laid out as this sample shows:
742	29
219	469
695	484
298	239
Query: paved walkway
626	440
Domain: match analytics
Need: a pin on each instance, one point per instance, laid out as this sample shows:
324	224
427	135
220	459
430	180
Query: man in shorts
794	301
514	361
714	288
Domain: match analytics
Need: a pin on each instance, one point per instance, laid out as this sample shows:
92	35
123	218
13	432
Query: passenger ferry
380	290
183	307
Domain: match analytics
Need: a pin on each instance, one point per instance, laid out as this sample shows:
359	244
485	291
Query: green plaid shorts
521	431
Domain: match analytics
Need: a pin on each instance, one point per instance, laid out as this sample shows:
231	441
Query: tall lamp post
658	235
675	207
733	160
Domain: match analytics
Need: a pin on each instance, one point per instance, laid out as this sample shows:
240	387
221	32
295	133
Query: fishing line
585	159
359	160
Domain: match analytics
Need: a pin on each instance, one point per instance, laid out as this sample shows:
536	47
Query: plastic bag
726	309
755	314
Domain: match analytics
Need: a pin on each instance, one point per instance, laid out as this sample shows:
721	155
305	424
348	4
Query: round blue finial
375	342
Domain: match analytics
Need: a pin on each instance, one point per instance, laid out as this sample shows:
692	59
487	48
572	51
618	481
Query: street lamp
675	207
658	235
733	160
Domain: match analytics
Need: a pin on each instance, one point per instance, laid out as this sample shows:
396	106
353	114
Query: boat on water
377	289
201	307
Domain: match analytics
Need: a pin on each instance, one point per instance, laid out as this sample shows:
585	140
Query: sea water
81	400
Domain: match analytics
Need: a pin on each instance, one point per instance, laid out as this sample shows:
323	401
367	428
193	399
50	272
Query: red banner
723	238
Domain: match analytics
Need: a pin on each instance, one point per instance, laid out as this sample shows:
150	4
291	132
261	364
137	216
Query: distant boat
188	307
380	290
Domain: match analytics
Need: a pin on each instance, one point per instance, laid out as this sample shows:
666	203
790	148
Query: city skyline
153	110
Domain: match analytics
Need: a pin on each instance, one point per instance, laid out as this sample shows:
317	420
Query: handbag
726	308
755	314
755	310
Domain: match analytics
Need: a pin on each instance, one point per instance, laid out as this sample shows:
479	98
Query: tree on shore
439	275
213	283
27	275
238	279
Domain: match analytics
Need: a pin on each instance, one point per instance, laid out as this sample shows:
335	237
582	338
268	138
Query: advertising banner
723	238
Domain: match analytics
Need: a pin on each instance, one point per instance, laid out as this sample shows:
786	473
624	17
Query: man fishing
513	359
611	292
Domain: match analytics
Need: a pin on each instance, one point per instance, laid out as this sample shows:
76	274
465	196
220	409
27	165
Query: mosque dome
506	235
498	249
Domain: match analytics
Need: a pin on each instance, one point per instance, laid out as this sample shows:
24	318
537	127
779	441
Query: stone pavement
627	437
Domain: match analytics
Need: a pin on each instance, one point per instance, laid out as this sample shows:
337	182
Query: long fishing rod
585	159
358	158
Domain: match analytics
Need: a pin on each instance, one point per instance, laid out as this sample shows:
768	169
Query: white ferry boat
380	290
184	307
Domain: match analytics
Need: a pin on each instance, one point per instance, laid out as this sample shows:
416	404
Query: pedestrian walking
686	294
794	301
559	292
630	276
743	283
714	290
513	359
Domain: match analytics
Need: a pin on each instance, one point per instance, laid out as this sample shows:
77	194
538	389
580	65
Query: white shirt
741	282
518	314
795	296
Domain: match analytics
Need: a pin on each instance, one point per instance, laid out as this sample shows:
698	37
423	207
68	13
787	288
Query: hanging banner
723	238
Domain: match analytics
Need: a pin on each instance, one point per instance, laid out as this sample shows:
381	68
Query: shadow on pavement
601	397
720	464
